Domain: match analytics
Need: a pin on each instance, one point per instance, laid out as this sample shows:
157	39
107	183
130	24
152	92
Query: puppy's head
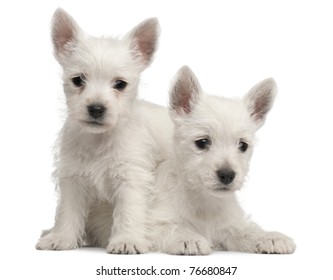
214	136
101	75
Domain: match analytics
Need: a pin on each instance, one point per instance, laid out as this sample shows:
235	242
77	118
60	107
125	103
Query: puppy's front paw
194	246
275	243
55	241
128	246
191	247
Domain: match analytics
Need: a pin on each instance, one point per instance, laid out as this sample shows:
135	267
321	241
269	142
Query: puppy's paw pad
275	243
56	242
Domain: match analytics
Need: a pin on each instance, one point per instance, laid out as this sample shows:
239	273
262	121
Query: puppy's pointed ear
143	40
185	92
65	33
260	100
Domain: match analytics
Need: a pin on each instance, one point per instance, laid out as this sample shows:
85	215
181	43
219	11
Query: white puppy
110	143
195	205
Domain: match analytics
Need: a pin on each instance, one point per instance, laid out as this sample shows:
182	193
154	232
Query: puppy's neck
202	204
79	137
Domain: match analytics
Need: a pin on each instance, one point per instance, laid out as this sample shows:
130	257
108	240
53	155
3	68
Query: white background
230	45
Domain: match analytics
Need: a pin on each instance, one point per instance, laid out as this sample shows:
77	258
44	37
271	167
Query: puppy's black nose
96	110
226	176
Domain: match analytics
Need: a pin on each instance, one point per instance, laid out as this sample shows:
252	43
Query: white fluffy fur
109	194
193	211
109	161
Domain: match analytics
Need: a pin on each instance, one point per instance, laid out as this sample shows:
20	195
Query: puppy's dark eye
203	144
79	81
242	146
120	85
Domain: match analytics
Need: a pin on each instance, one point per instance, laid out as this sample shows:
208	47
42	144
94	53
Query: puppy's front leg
72	211
130	213
250	238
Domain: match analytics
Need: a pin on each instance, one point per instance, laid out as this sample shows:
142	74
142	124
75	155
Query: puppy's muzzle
96	111
226	176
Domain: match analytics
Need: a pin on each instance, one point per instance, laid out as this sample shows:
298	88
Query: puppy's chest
97	164
204	222
208	221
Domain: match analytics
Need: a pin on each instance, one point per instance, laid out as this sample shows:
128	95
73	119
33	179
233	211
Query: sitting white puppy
110	143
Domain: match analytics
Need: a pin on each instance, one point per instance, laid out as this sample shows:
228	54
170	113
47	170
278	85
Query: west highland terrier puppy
195	202
110	143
